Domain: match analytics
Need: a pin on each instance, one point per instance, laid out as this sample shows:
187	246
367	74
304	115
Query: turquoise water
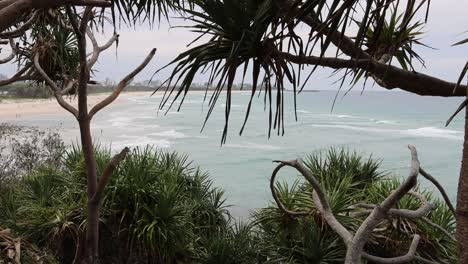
377	123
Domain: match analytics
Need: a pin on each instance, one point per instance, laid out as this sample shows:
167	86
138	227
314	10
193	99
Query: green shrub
347	179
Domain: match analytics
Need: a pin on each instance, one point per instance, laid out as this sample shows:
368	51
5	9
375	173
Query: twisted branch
375	213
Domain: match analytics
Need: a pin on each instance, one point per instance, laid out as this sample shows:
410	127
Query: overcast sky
448	20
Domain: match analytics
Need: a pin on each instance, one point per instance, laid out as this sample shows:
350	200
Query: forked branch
375	213
98	49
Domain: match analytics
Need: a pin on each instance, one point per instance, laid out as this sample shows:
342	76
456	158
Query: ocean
380	124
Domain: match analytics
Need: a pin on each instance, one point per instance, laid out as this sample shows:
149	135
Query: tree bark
462	201
91	247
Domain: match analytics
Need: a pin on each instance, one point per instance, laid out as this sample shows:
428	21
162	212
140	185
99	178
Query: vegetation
159	208
365	37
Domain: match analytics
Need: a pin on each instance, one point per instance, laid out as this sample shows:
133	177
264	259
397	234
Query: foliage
25	148
159	208
261	36
347	179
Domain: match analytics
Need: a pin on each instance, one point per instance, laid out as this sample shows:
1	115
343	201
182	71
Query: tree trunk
462	200
91	243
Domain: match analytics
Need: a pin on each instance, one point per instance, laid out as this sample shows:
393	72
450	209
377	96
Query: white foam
436	132
249	145
120	121
141	141
432	132
302	111
343	116
170	134
389	122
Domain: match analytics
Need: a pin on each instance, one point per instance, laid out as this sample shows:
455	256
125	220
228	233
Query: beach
21	108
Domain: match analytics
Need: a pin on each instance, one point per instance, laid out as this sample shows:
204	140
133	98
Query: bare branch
321	201
280	204
355	251
423	210
12	54
439	187
98	49
54	88
122	84
113	163
394	77
401	259
18	76
68	86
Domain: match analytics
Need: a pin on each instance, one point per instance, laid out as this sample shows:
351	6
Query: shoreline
17	108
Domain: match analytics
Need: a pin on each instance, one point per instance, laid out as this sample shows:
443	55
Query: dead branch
122	84
321	200
280	204
401	259
98	49
375	213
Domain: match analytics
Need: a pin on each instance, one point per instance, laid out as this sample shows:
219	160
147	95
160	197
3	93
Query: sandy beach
16	108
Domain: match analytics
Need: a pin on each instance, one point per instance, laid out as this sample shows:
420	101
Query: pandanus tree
55	37
370	40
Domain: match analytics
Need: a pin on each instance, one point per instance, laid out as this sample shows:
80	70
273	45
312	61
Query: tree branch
98	49
54	87
113	163
280	204
12	11
122	84
18	76
439	187
355	251
438	227
413	82
408	257
21	29
323	206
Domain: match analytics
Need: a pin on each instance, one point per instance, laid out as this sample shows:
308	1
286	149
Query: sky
447	22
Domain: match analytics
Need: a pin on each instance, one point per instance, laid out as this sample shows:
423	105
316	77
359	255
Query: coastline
17	108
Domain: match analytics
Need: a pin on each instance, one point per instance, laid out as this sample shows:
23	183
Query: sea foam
169	133
436	132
